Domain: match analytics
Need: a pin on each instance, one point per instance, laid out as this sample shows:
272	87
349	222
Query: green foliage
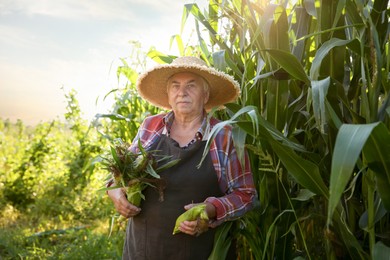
71	243
48	186
314	114
50	203
129	108
314	109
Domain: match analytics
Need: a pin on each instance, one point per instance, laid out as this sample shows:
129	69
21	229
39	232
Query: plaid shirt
238	186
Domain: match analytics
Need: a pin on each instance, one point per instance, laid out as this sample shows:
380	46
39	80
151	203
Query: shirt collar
168	121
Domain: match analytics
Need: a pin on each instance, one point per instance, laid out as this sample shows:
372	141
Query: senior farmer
187	88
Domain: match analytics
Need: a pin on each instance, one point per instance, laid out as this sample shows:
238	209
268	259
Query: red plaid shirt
236	184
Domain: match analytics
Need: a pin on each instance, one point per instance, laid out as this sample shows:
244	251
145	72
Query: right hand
122	205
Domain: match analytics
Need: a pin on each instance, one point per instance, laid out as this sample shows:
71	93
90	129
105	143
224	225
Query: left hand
197	227
189	227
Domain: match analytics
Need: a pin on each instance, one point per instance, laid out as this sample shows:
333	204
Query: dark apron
149	234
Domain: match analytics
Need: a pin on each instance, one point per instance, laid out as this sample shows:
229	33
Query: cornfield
314	115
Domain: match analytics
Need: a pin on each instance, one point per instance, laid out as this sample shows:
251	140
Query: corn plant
314	114
129	109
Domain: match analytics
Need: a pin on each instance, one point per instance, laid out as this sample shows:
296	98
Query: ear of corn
197	212
135	171
134	194
140	162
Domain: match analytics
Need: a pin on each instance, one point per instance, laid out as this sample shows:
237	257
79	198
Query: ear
206	97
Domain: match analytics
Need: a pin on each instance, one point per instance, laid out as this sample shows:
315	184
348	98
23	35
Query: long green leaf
289	63
168	165
271	228
377	155
257	123
379	213
222	242
339	10
349	144
277	102
319	92
239	137
114	117
305	172
115	157
194	10
218	127
179	42
322	52
149	169
381	252
310	7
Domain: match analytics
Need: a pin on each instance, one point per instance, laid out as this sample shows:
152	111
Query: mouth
182	102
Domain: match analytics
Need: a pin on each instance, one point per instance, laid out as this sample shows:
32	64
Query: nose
182	91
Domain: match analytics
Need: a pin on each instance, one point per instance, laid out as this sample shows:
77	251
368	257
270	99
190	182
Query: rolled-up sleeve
235	181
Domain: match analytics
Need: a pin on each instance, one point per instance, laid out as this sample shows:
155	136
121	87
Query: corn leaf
290	64
322	52
115	117
222	242
151	171
376	153
304	172
167	165
319	91
349	144
115	157
379	213
381	251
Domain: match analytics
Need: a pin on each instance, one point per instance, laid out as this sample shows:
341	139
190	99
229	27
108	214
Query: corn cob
198	213
134	193
140	162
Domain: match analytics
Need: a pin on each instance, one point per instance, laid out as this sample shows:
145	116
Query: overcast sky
46	45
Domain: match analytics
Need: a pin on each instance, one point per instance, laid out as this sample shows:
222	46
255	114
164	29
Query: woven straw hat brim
152	85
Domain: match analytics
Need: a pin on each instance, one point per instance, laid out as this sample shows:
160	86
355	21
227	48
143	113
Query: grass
74	240
23	236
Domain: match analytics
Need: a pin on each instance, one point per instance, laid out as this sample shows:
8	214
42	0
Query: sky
48	47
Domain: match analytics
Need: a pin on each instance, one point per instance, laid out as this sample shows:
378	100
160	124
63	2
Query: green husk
135	171
134	193
198	213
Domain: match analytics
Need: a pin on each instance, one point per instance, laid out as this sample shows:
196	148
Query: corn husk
135	171
198	213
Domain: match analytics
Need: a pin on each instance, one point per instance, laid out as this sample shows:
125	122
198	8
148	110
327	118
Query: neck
188	121
184	128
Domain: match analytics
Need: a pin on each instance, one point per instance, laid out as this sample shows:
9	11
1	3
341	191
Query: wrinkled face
187	93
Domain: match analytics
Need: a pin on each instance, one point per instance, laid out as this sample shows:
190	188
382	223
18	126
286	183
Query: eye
175	87
191	85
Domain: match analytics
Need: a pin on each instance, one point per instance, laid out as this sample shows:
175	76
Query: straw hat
152	84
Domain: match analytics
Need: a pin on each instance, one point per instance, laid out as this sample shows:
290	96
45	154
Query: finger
122	205
188	227
128	210
188	206
128	213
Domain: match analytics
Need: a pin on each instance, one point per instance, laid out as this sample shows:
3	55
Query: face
187	94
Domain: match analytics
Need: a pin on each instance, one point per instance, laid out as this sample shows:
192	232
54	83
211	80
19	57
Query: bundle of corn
135	171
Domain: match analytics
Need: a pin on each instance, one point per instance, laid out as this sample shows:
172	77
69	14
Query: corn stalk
314	114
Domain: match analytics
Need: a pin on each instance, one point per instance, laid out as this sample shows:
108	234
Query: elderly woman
187	87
